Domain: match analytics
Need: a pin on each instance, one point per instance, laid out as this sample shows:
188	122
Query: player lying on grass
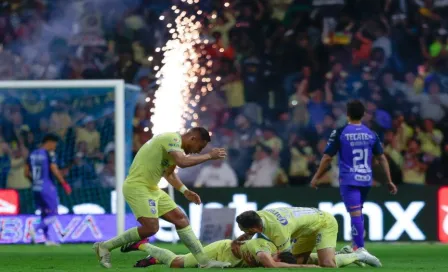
158	158
252	253
309	228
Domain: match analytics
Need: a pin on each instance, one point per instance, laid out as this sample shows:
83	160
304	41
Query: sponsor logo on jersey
280	218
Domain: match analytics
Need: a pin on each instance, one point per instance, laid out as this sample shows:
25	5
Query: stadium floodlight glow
120	139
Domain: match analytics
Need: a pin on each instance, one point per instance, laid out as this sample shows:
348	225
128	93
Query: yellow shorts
325	237
219	251
147	203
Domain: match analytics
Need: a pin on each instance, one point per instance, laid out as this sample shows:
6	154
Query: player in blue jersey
40	169
356	145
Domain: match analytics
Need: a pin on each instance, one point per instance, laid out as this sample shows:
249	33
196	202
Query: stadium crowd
282	72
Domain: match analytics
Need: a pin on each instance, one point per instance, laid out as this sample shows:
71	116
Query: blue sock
358	231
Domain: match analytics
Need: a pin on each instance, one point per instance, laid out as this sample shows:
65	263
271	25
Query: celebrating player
356	144
308	227
40	169
157	158
256	252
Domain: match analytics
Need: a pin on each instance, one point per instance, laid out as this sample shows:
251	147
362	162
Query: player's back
39	162
153	159
281	224
356	145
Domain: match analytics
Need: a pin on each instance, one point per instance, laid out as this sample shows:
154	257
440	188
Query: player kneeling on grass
309	228
252	253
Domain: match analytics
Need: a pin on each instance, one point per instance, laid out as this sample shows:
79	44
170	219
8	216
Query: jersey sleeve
258	245
333	143
172	142
377	148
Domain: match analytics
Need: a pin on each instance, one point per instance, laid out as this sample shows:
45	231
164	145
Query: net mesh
83	118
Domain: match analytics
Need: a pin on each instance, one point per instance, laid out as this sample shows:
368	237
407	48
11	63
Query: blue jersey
39	162
356	144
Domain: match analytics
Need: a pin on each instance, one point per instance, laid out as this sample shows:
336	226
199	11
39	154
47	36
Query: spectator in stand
302	158
217	174
382	39
90	135
60	120
243	145
264	171
433	103
107	174
82	172
430	139
16	178
414	165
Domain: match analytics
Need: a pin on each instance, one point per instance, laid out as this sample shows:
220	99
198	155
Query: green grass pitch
80	258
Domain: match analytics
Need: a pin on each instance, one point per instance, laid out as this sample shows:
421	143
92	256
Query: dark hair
202	132
287	257
249	219
355	110
50	138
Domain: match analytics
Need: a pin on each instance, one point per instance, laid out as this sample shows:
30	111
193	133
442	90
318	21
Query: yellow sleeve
171	142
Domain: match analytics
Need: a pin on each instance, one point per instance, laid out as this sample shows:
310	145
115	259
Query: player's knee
355	213
327	263
177	263
181	222
149	227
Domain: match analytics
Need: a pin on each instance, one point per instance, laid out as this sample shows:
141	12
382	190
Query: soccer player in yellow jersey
307	228
158	158
252	253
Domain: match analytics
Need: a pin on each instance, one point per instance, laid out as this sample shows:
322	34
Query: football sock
45	222
129	236
162	255
345	259
189	239
358	230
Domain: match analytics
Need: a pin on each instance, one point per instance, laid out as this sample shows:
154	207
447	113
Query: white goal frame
120	104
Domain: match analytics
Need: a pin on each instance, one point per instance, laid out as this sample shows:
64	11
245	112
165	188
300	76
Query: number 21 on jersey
360	160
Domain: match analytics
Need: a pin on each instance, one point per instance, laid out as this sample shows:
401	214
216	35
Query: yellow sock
187	237
345	259
162	255
129	236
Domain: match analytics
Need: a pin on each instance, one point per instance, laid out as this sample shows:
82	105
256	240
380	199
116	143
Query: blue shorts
354	196
47	203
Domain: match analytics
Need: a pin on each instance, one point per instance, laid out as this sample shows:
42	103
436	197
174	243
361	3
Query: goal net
93	120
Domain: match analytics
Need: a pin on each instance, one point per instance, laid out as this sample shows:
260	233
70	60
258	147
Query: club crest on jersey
153	210
175	139
318	238
152	203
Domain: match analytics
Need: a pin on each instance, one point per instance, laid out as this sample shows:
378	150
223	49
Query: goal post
119	88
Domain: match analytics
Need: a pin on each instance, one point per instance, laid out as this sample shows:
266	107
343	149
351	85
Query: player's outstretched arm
175	181
323	167
267	261
55	171
184	161
385	165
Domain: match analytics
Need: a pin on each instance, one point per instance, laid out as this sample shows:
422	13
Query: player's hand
192	197
313	183
67	188
218	153
392	188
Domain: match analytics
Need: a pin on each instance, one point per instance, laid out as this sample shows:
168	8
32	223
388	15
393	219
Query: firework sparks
177	75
